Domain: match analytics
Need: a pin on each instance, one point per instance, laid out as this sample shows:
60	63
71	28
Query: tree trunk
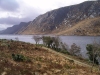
93	62
99	67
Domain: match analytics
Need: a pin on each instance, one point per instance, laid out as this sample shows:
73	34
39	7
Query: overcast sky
13	12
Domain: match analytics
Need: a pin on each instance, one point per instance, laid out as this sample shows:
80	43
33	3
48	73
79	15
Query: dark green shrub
47	41
92	54
65	52
55	43
20	58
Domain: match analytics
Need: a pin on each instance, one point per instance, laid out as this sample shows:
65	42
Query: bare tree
16	38
64	46
75	50
37	39
56	41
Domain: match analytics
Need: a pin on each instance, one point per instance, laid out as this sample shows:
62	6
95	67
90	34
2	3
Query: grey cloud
28	15
15	20
12	20
31	12
9	5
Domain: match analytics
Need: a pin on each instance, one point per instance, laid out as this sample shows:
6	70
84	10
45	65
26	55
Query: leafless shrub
75	50
64	46
16	38
37	39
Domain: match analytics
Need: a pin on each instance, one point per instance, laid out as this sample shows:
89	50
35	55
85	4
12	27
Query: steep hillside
62	20
15	29
86	27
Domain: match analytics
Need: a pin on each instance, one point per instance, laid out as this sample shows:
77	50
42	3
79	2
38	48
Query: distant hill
80	19
15	29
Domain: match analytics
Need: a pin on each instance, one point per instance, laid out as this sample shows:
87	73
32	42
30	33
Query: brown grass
85	27
42	61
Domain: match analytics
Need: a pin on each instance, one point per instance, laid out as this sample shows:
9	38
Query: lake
81	41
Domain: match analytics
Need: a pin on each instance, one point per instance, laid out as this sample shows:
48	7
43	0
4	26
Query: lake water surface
81	41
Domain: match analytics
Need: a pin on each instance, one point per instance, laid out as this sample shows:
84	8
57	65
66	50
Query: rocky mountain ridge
65	20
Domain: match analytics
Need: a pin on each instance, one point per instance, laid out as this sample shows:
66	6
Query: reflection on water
81	41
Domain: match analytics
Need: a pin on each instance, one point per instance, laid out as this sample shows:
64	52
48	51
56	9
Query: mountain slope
63	19
85	27
68	20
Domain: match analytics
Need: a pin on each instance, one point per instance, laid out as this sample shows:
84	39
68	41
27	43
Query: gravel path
67	57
